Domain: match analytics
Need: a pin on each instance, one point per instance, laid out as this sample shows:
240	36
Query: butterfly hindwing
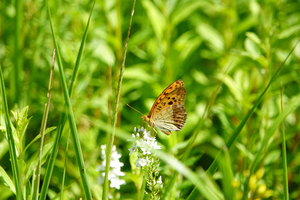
171	118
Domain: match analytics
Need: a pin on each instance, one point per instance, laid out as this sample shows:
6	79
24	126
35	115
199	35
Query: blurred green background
237	45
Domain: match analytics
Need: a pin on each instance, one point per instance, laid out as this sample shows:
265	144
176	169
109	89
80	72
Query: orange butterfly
168	112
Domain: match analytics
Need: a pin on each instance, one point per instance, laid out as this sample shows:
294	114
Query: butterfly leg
155	132
152	129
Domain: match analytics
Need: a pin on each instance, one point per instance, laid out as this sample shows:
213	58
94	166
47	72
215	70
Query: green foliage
225	52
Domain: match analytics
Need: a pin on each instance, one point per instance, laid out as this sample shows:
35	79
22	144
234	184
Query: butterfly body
168	112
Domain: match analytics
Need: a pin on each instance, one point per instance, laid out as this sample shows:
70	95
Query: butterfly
168	112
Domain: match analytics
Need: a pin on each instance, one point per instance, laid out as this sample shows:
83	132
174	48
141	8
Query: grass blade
285	173
18	57
291	107
63	117
235	134
71	118
65	168
204	184
11	142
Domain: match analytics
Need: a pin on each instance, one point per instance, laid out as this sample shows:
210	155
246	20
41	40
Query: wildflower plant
257	186
142	146
115	168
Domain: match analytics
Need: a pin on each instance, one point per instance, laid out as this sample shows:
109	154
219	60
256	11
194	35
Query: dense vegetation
239	67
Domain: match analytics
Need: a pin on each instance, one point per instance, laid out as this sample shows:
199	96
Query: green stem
18	58
44	121
115	113
284	160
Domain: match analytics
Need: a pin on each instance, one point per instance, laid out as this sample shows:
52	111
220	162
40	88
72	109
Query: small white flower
145	144
100	168
148	162
159	180
147	135
116	182
141	162
133	149
115	168
155	146
146	151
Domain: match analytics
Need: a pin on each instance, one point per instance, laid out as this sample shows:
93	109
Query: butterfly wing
168	112
171	118
173	94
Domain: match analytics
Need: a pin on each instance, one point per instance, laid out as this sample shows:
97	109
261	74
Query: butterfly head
146	118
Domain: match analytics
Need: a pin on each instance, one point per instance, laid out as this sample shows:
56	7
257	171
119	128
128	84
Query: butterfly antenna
134	109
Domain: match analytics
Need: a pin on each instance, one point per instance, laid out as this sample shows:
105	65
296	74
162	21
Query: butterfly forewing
157	106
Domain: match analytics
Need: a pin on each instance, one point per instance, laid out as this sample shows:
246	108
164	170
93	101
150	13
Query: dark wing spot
173	98
170	102
168	97
171	88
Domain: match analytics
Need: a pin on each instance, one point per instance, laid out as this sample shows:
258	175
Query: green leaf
205	184
186	9
212	36
290	31
6	179
156	18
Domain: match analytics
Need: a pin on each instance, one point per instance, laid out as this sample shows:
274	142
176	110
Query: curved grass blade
235	134
291	107
63	117
73	127
204	184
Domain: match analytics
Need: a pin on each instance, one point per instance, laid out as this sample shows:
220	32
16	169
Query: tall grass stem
44	121
115	112
18	56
